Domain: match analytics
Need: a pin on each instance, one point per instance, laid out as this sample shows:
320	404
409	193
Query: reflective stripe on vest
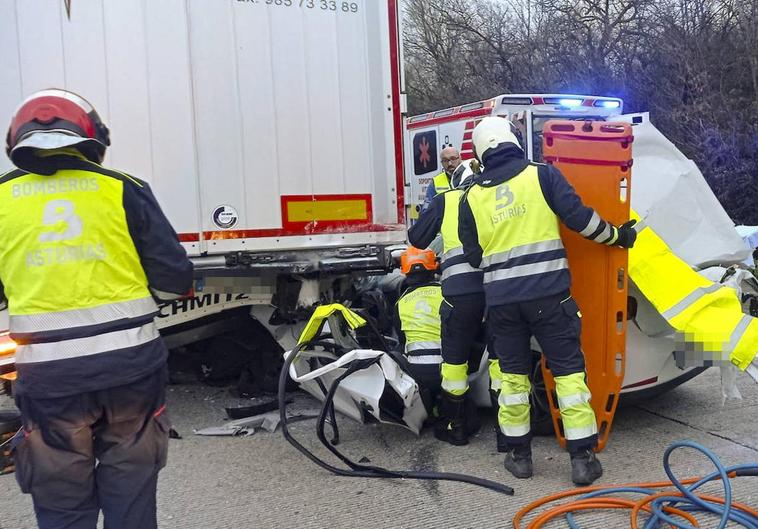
419	312
520	251
50	321
457	270
425	359
526	270
457	273
703	312
422	346
518	232
79	347
441	183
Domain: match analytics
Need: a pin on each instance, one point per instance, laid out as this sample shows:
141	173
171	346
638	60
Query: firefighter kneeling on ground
509	227
421	331
417	322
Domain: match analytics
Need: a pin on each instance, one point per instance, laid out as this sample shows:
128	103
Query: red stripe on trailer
218	235
467	135
538	100
282	232
189	237
397	119
480	112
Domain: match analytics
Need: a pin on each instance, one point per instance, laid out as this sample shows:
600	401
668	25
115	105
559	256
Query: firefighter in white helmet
83	252
509	227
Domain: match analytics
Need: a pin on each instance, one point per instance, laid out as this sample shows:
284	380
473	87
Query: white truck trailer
269	130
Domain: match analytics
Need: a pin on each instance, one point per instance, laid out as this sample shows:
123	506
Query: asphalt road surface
261	481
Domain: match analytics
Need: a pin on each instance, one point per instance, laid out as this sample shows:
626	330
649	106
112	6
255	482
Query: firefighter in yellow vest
462	314
84	250
450	159
417	320
509	227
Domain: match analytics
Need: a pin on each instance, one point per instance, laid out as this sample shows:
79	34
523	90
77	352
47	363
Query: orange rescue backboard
596	158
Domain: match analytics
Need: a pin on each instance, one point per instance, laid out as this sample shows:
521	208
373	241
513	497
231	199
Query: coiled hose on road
673	507
356	469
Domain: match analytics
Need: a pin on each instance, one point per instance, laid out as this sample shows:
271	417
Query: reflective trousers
463	339
555	321
101	450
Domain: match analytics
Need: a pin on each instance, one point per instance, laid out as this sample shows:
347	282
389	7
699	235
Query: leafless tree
692	63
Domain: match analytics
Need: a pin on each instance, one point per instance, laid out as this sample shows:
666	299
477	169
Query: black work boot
472	420
451	427
500	442
518	461
585	467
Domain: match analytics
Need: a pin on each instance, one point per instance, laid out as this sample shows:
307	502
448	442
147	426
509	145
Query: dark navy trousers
463	329
101	450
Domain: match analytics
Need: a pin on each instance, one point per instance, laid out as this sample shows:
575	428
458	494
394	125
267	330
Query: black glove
627	234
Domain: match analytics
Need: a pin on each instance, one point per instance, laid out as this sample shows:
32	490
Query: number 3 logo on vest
503	194
57	211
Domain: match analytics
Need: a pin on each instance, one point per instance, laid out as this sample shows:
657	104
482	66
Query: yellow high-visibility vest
59	252
441	183
513	220
419	312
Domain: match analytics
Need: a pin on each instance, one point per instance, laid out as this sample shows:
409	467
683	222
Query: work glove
627	234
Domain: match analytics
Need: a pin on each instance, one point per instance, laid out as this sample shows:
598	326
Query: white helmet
491	132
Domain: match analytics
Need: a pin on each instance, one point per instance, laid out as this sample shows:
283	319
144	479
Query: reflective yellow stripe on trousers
455	378
705	312
578	417
513	415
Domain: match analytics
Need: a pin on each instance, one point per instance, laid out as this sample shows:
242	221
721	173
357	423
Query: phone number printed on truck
323	5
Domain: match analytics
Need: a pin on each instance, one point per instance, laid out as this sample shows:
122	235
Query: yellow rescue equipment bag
705	313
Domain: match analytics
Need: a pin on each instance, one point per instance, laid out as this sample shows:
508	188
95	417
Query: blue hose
690	502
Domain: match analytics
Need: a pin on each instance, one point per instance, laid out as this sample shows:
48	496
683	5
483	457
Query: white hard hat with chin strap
491	132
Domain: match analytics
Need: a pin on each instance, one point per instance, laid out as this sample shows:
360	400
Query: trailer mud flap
596	158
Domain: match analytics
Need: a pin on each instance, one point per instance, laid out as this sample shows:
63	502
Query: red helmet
53	119
415	260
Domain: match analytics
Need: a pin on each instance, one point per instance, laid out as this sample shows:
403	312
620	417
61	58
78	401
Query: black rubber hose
358	470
